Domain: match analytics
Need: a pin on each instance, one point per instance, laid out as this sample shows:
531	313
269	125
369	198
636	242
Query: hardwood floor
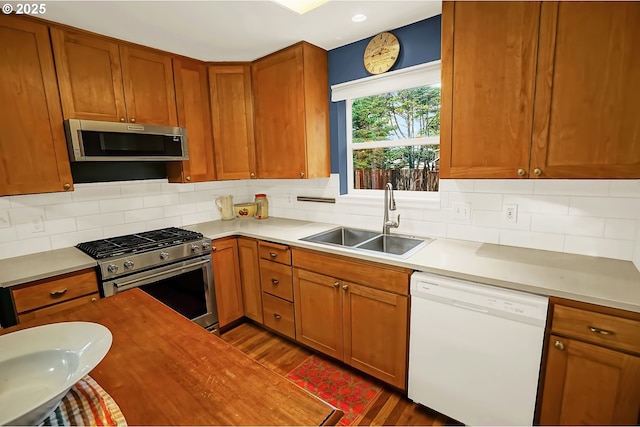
282	356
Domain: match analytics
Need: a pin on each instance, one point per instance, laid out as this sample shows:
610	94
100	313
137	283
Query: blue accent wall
419	43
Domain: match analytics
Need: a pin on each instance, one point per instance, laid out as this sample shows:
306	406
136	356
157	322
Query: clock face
381	53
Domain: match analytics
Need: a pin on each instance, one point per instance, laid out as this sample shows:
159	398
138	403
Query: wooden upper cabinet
488	75
587	108
101	79
232	117
540	90
32	141
89	75
291	104
194	114
148	84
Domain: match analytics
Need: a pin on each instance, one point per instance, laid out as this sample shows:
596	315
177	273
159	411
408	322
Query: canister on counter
262	205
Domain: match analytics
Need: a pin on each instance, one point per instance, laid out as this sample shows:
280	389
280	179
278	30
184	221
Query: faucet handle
397	221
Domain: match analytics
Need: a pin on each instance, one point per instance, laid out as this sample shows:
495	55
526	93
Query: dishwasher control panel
479	297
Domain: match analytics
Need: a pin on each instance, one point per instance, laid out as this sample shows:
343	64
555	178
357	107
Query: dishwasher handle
472	308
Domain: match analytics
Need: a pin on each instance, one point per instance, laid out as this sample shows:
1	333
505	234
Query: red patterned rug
348	392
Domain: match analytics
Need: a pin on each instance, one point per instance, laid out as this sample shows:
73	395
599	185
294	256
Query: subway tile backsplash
592	217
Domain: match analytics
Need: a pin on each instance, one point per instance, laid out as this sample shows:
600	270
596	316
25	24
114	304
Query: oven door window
184	293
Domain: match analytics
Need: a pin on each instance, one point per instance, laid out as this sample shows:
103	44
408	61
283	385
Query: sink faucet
389	205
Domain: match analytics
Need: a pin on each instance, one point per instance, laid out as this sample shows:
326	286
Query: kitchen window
393	130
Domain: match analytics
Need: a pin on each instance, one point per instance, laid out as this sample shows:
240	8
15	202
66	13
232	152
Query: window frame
405	78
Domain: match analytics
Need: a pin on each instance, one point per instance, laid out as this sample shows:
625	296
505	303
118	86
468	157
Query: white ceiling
239	30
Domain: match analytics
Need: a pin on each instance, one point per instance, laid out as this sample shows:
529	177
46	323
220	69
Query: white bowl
39	365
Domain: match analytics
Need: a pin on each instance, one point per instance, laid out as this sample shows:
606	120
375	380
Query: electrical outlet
462	210
510	213
5	222
36	224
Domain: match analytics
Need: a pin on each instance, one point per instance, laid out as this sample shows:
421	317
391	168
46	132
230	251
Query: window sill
422	201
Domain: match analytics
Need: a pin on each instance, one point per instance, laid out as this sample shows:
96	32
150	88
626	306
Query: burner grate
139	242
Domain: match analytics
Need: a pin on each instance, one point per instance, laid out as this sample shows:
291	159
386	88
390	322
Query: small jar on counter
262	206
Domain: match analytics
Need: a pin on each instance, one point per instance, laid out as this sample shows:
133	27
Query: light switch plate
462	210
4	219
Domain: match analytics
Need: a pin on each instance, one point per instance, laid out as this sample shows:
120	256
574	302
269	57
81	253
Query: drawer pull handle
600	331
559	345
273	254
58	293
275	281
277	316
94	299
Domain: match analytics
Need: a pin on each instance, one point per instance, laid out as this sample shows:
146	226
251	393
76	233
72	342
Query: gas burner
137	243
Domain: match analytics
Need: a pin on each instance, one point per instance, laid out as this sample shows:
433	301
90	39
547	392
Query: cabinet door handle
213	248
94	299
122	119
277	316
336	284
537	172
188	178
133	120
521	172
345	287
66	186
275	281
600	331
58	293
301	174
252	175
559	345
273	254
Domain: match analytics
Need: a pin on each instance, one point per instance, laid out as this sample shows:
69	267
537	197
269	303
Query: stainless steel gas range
172	265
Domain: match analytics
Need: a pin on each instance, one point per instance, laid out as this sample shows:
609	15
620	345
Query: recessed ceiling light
301	6
358	17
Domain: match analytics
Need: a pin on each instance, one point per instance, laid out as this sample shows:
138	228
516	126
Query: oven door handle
123	286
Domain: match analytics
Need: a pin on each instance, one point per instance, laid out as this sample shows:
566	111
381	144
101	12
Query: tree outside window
395	138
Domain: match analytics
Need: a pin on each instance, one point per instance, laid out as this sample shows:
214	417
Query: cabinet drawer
275	252
56	308
374	275
278	315
276	279
610	331
55	290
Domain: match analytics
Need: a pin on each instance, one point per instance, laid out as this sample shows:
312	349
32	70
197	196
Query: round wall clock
381	53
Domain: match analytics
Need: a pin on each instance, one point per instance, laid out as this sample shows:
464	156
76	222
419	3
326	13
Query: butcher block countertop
162	369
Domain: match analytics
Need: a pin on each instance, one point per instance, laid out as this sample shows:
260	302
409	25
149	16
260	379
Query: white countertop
602	281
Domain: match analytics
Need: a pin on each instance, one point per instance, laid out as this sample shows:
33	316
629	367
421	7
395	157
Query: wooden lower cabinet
250	278
592	370
318	306
37	299
358	323
226	276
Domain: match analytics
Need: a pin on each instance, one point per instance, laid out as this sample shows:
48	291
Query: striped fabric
86	404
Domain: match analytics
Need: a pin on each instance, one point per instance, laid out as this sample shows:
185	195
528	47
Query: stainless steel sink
369	241
396	245
342	236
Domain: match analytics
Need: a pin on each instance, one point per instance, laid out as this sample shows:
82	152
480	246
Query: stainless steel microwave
90	140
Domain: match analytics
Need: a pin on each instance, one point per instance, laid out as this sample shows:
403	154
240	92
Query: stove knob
164	255
206	246
112	268
195	248
128	265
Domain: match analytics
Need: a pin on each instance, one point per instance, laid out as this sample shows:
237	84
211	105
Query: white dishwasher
475	350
